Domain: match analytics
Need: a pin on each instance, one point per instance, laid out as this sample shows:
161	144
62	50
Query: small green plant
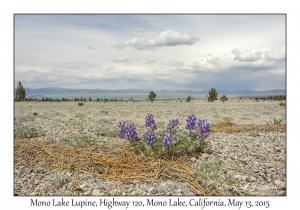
57	180
275	121
104	127
80	140
254	133
212	176
22	131
227	119
26	118
81	104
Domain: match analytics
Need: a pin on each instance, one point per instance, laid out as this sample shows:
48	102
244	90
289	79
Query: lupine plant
170	141
104	112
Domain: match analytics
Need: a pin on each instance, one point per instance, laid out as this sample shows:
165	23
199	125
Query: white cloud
246	55
122	60
277	54
165	38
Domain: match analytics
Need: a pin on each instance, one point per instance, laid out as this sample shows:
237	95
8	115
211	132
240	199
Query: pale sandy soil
263	155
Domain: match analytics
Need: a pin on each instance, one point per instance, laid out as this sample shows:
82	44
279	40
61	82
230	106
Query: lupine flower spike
150	123
150	137
203	127
168	140
191	122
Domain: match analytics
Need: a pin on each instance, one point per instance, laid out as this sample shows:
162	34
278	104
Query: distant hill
66	91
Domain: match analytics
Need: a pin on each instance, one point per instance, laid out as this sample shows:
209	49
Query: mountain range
66	91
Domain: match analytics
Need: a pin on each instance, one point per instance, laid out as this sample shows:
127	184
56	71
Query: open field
246	154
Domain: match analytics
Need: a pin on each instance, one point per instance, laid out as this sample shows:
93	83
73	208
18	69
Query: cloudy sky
194	52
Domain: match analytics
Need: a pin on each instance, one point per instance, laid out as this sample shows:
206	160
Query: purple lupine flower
130	131
121	125
150	123
168	139
191	122
150	137
204	127
172	123
175	121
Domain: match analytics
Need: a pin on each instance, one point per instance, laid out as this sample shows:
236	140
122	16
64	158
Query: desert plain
239	161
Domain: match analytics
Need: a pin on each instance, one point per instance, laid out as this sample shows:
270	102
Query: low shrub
79	140
22	131
275	121
281	104
80	104
211	175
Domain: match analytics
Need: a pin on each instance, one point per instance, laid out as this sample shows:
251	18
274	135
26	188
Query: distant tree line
273	98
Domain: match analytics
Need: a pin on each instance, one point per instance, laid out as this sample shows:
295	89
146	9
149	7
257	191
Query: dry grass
234	128
108	161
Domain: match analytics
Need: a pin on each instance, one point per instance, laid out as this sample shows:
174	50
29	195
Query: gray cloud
165	38
75	65
139	30
150	60
110	68
90	47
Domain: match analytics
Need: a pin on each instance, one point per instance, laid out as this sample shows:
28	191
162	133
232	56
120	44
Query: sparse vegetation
80	104
79	140
212	176
23	131
275	121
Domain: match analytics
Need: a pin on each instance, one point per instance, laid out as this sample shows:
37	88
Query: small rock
78	189
82	186
204	156
280	184
34	193
277	149
193	159
252	179
96	192
118	183
238	177
178	190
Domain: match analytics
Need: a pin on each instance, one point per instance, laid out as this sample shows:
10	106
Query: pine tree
20	92
152	96
212	95
223	98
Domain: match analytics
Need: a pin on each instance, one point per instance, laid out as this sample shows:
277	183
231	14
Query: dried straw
107	161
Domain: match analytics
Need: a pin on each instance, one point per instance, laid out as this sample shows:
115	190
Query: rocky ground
253	162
